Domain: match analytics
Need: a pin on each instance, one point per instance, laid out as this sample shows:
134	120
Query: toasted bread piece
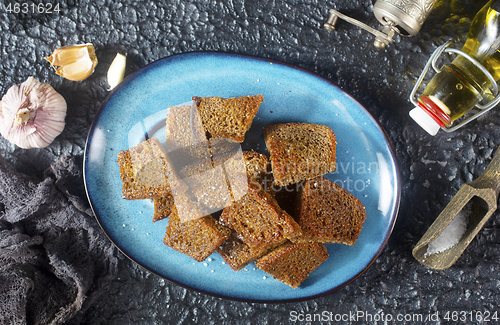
255	169
229	156
227	117
162	207
208	184
292	263
299	151
185	138
258	170
188	208
327	213
237	254
184	127
258	220
146	172
218	182
197	238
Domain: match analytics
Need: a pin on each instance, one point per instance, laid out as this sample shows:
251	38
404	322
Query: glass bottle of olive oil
460	85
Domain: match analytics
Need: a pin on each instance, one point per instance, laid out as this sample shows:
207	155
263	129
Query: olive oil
461	85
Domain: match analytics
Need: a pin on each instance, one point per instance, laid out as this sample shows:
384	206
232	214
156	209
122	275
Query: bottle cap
424	120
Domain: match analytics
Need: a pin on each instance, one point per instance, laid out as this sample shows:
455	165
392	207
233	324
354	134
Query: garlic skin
32	114
116	70
74	62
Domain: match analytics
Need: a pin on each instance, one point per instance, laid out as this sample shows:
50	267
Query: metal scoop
482	195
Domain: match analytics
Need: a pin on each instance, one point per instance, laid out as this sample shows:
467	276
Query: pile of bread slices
276	209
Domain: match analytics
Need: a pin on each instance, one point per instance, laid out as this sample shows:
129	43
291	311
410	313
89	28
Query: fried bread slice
258	220
227	117
299	151
197	238
291	263
327	213
146	172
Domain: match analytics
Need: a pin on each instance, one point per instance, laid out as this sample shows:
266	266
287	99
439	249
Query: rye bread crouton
227	117
299	151
292	263
327	213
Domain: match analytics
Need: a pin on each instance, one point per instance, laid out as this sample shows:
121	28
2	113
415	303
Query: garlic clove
74	62
76	71
32	114
116	70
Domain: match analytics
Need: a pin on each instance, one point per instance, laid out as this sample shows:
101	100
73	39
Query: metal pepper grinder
404	17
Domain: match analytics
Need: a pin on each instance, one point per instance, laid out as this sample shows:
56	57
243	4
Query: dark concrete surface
432	168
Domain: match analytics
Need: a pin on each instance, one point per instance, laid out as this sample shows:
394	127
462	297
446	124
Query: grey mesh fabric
54	259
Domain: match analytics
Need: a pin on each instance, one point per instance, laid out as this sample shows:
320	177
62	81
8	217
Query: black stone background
432	168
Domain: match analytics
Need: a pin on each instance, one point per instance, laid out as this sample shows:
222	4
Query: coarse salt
451	234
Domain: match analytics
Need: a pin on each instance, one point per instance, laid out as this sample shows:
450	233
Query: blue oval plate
366	166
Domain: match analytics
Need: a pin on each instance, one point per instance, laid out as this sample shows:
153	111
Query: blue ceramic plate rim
252	62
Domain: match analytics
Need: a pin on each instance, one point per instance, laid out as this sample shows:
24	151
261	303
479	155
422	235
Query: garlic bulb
32	114
74	62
